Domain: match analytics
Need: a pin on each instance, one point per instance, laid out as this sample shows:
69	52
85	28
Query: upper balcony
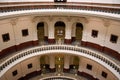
69	8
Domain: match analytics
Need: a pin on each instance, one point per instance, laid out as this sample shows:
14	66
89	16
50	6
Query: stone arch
59	62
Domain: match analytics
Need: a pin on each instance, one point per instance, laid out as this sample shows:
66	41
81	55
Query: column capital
14	21
69	19
37	18
106	22
82	19
50	18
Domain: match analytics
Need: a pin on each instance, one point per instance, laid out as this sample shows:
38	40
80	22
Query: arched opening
59	62
59	31
42	32
44	64
75	64
79	29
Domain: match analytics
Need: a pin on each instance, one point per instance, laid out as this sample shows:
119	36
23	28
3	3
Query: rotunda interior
59	40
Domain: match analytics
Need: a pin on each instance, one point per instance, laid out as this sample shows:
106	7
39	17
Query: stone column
66	63
51	35
38	71
68	30
79	69
34	22
46	32
85	23
52	63
73	32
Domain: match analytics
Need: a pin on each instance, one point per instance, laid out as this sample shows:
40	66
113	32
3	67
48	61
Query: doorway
40	32
44	64
59	32
59	63
79	29
75	64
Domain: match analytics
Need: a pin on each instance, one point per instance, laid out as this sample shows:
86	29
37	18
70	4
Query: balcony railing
73	6
105	61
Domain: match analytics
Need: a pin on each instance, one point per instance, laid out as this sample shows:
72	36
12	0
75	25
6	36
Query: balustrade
59	47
